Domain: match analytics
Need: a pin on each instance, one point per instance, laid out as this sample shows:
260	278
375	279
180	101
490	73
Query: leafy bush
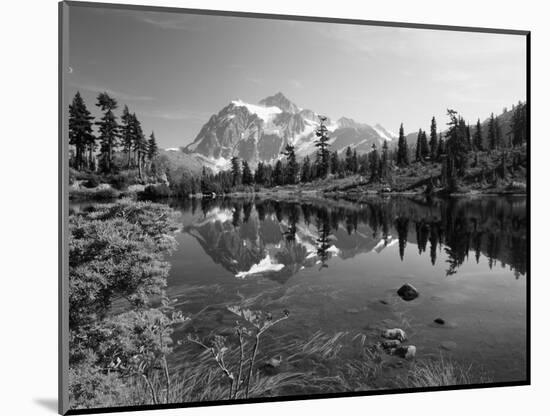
122	180
92	182
154	192
117	251
107	193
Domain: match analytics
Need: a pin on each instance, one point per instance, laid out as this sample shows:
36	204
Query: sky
176	70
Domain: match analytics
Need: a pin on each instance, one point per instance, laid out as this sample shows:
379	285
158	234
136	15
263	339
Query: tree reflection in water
495	227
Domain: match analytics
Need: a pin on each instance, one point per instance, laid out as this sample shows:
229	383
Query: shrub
92	182
122	180
72	175
152	192
107	193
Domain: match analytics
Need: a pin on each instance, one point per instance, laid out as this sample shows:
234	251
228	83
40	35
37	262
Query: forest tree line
95	152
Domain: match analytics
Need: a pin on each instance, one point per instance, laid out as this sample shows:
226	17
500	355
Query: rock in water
274	362
391	343
394	333
448	345
407	292
439	321
405	351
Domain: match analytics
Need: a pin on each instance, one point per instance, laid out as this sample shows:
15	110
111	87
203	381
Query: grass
441	372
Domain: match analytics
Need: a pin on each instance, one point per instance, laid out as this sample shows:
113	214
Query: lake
337	265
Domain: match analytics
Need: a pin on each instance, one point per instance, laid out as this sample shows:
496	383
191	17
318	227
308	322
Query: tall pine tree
80	131
108	130
323	154
433	140
402	150
291	168
477	141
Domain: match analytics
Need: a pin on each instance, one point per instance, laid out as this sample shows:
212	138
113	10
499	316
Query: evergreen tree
424	146
108	130
305	175
457	146
518	128
322	145
478	137
334	162
140	146
128	133
152	147
492	135
205	182
248	179
441	147
374	164
80	130
384	161
433	140
498	136
364	165
418	152
349	160
236	175
260	174
291	168
402	150
354	162
278	174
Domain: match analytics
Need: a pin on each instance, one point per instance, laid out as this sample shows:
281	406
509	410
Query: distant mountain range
260	132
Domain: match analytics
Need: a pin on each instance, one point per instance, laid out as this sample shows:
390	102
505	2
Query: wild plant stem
153	394
256	343
241	362
167	374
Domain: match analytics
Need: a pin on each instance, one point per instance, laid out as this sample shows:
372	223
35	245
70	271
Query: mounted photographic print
263	207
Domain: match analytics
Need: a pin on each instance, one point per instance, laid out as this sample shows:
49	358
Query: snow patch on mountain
265	113
382	133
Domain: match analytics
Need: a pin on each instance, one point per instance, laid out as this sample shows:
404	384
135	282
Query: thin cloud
168	22
296	83
117	94
181	114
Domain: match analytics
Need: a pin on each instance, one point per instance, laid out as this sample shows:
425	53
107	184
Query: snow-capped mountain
260	132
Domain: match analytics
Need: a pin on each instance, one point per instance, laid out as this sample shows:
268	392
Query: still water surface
336	266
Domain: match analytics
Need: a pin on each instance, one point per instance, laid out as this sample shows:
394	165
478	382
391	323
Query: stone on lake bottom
407	292
405	351
448	345
394	333
391	343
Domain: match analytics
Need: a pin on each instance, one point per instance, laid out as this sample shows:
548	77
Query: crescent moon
70	70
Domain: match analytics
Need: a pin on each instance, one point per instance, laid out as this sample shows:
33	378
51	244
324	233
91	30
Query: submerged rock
448	345
407	292
274	362
439	321
391	343
394	333
405	351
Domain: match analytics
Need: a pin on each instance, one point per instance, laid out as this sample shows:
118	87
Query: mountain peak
279	100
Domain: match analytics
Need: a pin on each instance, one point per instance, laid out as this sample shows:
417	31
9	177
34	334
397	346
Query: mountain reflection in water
276	239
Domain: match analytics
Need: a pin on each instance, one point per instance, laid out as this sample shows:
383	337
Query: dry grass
441	372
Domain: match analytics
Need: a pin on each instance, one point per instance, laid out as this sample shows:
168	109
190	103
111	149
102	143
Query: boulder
407	292
394	333
391	343
405	351
439	321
